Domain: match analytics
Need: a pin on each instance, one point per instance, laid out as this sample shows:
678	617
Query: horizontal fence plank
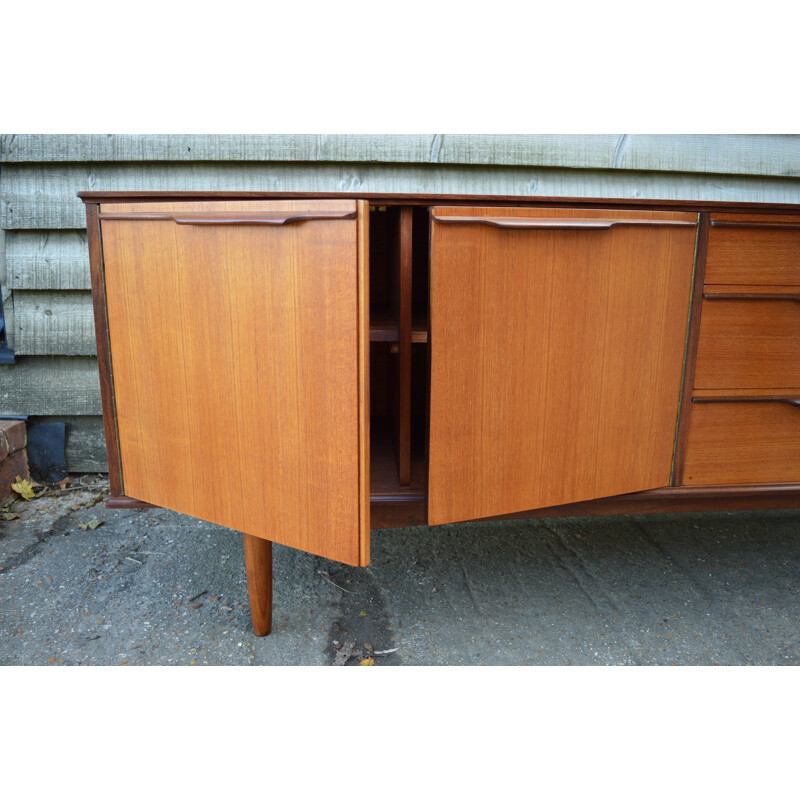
53	323
735	154
50	385
570	150
47	260
43	197
764	155
85	442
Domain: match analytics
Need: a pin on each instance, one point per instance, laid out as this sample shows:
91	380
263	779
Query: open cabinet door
238	336
557	349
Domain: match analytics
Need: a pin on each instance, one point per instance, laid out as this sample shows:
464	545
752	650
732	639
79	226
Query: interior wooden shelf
419	328
384	483
382	327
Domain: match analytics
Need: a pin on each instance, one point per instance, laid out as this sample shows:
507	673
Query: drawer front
754	249
749	342
742	442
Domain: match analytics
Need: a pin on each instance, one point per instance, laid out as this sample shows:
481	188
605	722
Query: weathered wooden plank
750	154
773	155
50	385
5	293
85	442
587	151
53	323
43	197
47	260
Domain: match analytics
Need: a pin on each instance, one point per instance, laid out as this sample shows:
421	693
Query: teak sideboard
306	367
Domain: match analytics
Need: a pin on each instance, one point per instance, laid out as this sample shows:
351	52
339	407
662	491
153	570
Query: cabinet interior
398	290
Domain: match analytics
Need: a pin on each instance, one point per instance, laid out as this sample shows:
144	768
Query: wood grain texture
50	385
678	498
742	443
47	260
363	359
556	361
748	343
36	197
750	255
53	323
777	155
258	566
238	387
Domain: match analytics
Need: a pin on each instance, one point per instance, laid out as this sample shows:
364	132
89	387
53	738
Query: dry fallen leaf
11	516
23	488
367	662
345	653
90	525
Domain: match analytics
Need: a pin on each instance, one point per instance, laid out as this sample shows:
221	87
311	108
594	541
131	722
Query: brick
13	436
10	467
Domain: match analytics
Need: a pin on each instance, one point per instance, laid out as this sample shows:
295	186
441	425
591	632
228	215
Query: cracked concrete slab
156	587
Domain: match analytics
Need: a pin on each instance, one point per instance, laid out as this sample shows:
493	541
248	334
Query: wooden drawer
749	340
748	441
754	249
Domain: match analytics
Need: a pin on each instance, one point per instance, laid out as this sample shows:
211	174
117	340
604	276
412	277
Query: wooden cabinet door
239	350
557	348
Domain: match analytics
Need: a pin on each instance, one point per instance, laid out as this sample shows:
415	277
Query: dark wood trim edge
398	512
97	271
121	501
261	218
363	367
772	398
408	198
403	296
678	499
554	223
693	336
792	296
790	226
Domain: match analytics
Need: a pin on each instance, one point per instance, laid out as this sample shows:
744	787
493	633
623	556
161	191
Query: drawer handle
260	218
791	401
729	296
549	223
783	226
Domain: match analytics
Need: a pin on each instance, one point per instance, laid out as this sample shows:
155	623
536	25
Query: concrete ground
155	587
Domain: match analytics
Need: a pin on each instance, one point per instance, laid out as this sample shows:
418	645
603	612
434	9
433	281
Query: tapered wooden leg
258	563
